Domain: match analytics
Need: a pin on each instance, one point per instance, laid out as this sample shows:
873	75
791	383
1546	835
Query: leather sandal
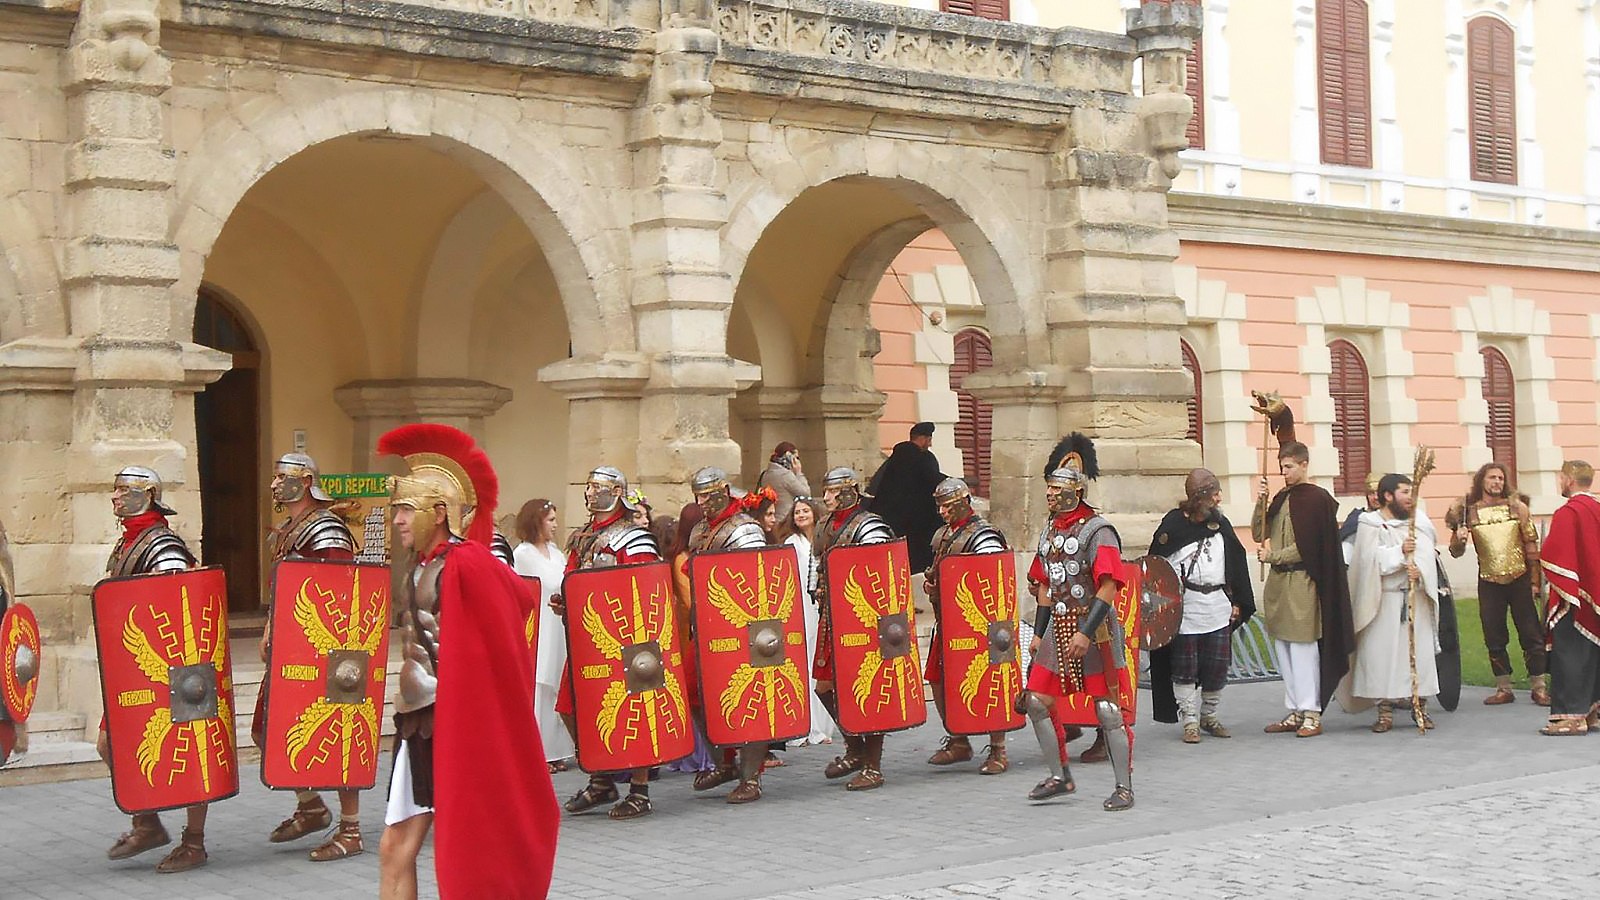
189	854
1310	725
632	806
307	819
1500	697
1213	726
951	750
148	833
590	796
842	766
1540	696
867	779
1120	799
1097	751
1563	726
345	842
1191	733
1286	725
1051	787
1385	719
717	777
997	763
746	792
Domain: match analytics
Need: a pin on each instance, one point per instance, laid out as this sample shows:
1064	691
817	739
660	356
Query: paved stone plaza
1482	807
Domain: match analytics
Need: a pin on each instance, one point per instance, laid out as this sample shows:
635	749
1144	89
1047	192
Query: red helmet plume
447	466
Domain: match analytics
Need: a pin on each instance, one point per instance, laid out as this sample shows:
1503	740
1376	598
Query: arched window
1196	404
1492	100
1500	393
1352	417
1194	84
983	9
1344	83
974	419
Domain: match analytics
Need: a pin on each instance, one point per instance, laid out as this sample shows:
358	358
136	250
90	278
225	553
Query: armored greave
1209	701
1186	694
1044	729
1119	742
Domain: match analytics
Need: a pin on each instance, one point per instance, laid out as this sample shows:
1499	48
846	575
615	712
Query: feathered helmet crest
448	467
1073	461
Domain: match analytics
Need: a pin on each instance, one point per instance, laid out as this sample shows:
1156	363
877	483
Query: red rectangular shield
978	635
167	682
632	709
874	625
1078	709
325	675
750	642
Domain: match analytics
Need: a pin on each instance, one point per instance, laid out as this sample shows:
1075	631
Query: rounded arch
1500	395
1349	384
586	250
1196	401
31	301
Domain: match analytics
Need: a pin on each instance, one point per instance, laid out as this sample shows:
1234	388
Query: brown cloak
1314	514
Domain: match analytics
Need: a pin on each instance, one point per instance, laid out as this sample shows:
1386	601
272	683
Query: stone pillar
847	416
1111	307
603	400
681	295
379	405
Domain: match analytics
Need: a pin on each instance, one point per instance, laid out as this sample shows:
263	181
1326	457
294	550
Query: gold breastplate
1497	538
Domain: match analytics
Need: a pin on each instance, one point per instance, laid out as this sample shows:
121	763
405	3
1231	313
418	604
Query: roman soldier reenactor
149	546
964	532
1500	525
1080	671
849	523
311	531
726	526
467	753
609	538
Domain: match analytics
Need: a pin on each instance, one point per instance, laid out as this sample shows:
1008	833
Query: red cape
496	818
1570	566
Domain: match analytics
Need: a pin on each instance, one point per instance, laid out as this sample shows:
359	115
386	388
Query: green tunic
1289	599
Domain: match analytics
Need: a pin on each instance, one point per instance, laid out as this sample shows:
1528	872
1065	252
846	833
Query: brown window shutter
974	418
1196	400
1492	97
1194	84
1500	393
983	9
1344	82
1352	417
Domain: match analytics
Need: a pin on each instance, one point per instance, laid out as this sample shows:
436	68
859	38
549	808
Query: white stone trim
1591	83
1388	144
1305	129
1226	419
1530	156
1376	325
1222	114
1517	327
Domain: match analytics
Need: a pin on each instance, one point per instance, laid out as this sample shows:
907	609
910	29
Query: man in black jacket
902	494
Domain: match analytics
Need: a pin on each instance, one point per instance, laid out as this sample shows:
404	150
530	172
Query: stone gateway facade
638	232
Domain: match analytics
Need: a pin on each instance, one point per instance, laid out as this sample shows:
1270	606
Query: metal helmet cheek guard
952	494
848	483
294	467
143	492
604	489
711	490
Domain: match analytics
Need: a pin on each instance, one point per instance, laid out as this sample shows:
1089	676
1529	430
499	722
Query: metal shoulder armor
987	540
744	536
326	531
633	541
873	530
500	546
167	553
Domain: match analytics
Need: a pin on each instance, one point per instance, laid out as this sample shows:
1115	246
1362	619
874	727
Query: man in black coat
902	493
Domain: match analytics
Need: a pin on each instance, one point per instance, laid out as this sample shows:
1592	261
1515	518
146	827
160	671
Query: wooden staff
1420	467
1266	438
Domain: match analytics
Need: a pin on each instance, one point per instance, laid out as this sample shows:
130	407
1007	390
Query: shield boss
642	665
1002	642
193	692
26	666
766	643
347	676
894	635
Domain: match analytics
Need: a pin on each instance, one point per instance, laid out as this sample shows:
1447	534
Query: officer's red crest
978	627
627	668
879	677
751	640
167	683
20	656
325	675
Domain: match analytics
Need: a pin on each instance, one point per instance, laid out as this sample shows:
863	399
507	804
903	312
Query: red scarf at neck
1078	514
133	526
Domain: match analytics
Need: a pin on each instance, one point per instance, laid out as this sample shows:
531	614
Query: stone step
55	728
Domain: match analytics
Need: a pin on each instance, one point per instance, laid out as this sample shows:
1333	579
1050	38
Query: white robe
1378	589
821	722
548	567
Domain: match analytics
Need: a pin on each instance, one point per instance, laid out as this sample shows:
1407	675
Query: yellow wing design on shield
609	647
969	682
857	598
738	683
870	664
968	605
719	597
306	727
155	735
786	595
144	655
307	617
676	693
610	708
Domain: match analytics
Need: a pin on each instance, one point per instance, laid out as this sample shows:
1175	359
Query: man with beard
311	531
902	493
609	538
1507	546
848	524
1200	543
726	526
1306	597
964	532
1394	549
1571	563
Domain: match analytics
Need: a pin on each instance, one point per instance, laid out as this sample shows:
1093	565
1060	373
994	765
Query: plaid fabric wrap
1202	659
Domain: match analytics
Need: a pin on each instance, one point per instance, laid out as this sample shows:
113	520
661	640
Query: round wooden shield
20	656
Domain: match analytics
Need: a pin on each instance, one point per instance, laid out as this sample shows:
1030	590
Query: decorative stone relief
583	12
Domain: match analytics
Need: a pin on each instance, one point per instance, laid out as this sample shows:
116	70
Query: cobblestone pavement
1482	807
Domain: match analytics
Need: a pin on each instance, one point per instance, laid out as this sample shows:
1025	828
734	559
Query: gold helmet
447	469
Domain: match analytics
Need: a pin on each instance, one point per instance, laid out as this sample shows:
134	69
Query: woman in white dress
539	556
802	528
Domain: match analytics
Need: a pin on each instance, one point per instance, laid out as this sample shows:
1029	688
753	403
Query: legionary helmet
847	483
711	490
136	491
953	498
605	489
1072	465
449	469
295	467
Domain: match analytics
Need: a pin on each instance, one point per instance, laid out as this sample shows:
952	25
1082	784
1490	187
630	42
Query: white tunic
1202	563
1378	588
547	564
821	721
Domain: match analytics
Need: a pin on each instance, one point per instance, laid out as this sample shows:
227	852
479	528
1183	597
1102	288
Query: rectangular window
1194	80
1492	97
1344	85
983	9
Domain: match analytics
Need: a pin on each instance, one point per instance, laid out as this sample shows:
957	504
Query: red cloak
495	818
1570	568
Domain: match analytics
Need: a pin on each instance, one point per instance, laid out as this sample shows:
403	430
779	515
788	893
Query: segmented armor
320	531
156	549
975	535
737	532
419	638
618	540
500	546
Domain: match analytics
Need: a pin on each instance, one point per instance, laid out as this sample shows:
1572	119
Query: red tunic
1570	565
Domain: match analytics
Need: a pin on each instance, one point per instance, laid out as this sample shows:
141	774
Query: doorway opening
227	424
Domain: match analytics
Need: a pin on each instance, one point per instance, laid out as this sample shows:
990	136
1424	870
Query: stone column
681	295
603	400
1111	308
379	405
